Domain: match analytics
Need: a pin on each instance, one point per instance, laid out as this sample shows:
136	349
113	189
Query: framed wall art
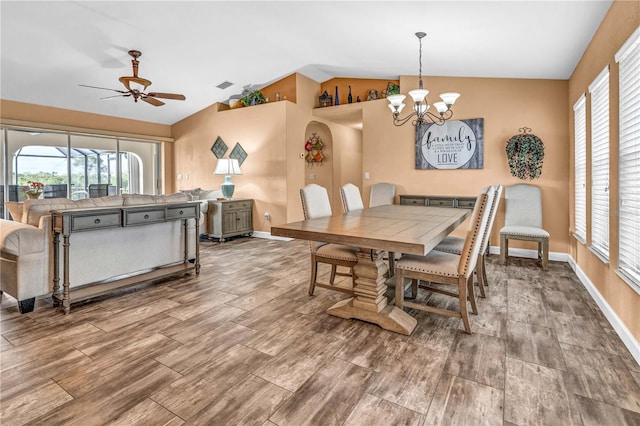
455	144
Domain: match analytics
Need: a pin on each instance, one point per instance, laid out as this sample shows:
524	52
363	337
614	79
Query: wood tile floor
244	344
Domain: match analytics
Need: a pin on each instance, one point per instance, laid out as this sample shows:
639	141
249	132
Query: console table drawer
143	217
97	221
440	202
412	201
181	212
466	203
236	205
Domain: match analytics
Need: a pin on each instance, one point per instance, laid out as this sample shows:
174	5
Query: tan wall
506	105
261	132
273	135
620	22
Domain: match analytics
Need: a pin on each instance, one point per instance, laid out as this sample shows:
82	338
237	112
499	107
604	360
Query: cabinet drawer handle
181	212
96	221
146	216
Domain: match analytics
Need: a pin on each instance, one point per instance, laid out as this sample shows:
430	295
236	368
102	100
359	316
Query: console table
454	201
227	218
73	221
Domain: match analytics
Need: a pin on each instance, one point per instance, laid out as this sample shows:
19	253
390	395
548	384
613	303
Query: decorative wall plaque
453	145
219	147
238	153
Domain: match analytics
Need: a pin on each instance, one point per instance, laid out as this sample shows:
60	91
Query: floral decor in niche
33	189
314	146
525	153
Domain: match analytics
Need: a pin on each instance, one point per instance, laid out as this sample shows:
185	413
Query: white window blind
600	164
628	58
580	167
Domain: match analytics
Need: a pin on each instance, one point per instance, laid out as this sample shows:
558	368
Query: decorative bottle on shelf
350	98
337	100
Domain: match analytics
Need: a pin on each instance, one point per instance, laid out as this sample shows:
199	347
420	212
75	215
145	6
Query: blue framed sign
457	144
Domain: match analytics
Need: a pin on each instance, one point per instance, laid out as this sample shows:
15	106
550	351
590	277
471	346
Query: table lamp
227	167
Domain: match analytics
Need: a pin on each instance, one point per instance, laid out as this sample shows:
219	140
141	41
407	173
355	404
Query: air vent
224	85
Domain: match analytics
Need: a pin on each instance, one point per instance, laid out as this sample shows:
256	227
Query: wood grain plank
376	411
479	358
530	343
327	398
535	394
146	413
136	314
462	402
207	382
250	402
410	379
23	407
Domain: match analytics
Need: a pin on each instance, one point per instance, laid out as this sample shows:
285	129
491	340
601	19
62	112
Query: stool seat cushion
435	262
337	251
524	231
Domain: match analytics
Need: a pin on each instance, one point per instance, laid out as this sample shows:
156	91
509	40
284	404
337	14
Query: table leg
370	301
66	301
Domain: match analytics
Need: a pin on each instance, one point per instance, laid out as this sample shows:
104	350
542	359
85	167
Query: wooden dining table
389	228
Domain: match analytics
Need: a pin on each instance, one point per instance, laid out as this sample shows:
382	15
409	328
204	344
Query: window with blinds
628	58
599	90
580	167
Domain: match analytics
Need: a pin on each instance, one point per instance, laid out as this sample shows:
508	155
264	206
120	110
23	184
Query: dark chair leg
25	306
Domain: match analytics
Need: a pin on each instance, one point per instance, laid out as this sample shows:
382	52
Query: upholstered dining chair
523	221
456	244
447	268
351	198
316	204
382	193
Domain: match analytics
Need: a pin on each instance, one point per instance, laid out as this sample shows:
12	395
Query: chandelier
420	104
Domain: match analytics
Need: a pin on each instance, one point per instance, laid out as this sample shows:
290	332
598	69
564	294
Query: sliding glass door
76	166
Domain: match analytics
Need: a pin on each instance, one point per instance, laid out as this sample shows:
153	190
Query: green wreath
525	153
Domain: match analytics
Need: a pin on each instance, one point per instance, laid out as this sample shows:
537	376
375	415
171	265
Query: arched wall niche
321	173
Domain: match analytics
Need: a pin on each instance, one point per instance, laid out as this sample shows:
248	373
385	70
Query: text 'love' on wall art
453	145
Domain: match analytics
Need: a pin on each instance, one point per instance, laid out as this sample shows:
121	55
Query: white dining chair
351	198
523	221
447	268
316	204
456	244
382	193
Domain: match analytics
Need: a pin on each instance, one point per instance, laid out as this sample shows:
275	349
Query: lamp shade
227	166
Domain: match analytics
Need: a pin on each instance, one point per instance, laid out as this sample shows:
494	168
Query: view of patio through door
76	166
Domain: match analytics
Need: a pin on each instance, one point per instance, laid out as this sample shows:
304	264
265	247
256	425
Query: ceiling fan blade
167	96
103	88
116	96
152	101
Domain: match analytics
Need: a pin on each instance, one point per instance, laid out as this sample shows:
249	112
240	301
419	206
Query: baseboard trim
531	254
623	332
268	236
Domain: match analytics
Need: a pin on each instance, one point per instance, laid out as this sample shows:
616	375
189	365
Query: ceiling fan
136	86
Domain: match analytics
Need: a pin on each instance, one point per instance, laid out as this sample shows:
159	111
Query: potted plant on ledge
254	98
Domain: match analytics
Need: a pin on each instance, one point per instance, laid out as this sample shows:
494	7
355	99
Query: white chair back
351	198
523	205
315	201
381	194
473	240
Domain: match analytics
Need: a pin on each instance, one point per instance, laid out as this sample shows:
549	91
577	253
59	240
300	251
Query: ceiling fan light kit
136	86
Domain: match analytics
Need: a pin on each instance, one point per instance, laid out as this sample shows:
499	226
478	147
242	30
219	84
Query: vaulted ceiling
49	48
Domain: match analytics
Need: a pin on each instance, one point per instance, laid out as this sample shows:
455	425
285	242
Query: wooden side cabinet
438	201
228	218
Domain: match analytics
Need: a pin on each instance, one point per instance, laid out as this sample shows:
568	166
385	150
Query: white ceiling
49	48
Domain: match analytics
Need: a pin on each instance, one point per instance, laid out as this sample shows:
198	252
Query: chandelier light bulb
396	100
441	107
449	98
